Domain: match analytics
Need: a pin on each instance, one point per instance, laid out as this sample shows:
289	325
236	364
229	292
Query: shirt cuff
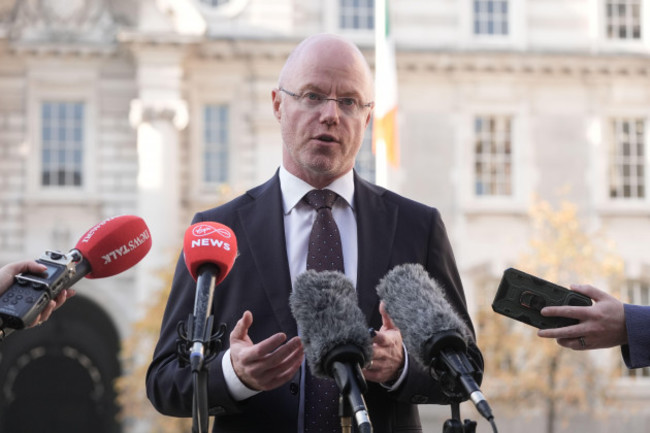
237	389
392	386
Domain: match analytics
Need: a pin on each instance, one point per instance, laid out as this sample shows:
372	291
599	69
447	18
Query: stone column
159	115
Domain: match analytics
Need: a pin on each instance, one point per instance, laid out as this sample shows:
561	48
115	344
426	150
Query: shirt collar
294	188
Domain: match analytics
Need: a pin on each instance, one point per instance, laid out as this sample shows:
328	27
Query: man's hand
601	324
267	364
388	352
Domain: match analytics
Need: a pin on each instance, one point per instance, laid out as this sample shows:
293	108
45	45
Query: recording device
209	249
433	333
108	248
521	296
334	334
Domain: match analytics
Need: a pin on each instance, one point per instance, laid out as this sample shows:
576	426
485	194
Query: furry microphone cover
324	305
418	308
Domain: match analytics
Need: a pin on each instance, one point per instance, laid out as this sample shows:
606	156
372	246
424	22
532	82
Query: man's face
321	141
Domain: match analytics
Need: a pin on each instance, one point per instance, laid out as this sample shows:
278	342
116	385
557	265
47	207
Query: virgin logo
205	230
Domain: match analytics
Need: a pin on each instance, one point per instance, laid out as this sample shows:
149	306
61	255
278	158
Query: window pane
492	156
357	14
62	143
216	149
626	159
491	17
623	19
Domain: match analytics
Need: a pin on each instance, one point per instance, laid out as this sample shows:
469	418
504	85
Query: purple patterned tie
324	254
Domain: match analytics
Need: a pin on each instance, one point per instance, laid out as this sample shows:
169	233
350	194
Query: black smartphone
521	296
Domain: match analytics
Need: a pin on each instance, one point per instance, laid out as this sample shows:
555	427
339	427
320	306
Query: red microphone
108	248
209	243
114	245
210	249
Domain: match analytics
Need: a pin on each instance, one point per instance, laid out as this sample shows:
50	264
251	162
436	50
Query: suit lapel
376	226
263	225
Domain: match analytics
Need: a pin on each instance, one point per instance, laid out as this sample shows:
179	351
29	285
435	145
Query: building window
623	19
365	162
62	144
491	17
493	156
636	292
357	14
215	144
627	159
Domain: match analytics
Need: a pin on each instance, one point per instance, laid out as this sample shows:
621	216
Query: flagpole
381	163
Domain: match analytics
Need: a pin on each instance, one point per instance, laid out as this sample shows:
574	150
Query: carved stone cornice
60	26
537	65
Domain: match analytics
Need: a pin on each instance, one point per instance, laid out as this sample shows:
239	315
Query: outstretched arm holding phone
607	323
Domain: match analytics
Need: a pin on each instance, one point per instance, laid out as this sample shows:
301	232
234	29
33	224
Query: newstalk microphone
432	331
108	248
334	335
210	249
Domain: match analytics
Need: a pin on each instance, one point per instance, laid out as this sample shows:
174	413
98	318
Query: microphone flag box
521	296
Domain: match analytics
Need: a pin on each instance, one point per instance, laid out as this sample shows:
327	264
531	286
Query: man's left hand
388	352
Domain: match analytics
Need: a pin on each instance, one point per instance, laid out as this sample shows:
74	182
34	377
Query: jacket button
294	388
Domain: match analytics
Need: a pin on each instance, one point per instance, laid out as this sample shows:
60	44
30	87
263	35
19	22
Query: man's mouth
326	138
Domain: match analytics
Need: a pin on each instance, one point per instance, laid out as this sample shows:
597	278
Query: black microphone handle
201	326
346	375
447	352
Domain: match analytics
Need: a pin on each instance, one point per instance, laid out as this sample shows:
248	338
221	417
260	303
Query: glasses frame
321	98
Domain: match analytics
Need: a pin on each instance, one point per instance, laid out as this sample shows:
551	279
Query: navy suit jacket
636	353
392	230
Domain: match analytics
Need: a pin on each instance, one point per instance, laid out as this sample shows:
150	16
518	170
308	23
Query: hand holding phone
521	296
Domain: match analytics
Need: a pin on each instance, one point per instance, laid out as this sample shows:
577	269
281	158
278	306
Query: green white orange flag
384	135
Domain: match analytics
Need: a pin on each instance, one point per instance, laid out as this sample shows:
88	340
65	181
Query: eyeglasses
312	100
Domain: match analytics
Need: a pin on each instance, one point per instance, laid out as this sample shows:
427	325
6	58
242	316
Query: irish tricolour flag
384	134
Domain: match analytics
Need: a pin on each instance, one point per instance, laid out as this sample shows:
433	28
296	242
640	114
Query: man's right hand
267	364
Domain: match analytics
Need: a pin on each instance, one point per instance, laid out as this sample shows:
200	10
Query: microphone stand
198	354
345	412
454	425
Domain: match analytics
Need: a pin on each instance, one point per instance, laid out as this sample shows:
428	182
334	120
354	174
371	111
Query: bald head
321	133
312	51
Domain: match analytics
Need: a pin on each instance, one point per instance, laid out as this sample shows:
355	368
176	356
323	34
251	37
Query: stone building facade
161	108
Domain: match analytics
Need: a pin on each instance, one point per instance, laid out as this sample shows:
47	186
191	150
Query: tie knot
321	198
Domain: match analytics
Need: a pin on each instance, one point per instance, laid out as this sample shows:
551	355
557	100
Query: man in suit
606	323
323	103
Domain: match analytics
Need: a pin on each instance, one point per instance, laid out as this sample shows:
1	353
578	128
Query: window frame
523	174
494	158
606	44
64	147
226	147
54	88
332	24
613	145
517	26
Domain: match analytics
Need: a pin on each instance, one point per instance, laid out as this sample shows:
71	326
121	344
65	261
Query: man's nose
330	111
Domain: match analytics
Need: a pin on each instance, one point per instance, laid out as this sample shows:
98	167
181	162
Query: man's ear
277	101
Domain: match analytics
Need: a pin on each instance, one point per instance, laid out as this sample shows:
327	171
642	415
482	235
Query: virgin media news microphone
432	331
210	249
108	248
334	334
